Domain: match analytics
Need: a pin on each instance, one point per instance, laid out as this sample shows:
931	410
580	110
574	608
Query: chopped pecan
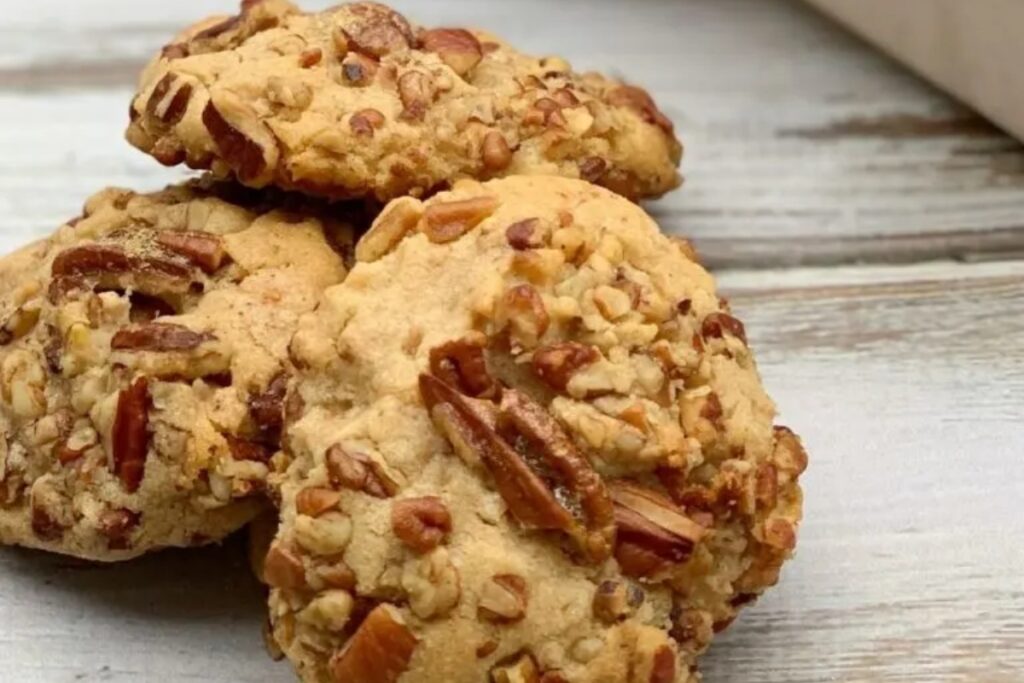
522	309
365	121
766	489
545	111
592	168
311	57
519	668
715	326
378	652
663	665
616	600
789	454
447	221
282	567
416	90
486	649
780	533
359	70
174	51
378	31
523	234
394	222
556	364
651	526
104	260
503	599
691	628
527	437
421	523
267	408
456	47
315	501
461	363
495	152
158	337
639	101
117	525
167	103
43	525
357	471
245	155
19	323
565	97
201	248
130	434
244	449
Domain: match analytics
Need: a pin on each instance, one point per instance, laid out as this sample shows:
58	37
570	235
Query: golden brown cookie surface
143	363
534	446
356	101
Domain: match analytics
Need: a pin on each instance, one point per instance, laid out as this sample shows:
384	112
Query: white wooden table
867	229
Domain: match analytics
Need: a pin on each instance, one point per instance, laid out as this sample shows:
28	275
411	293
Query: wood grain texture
803	146
807	155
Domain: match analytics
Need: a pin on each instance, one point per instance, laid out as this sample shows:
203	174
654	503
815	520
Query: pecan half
421	523
158	337
715	326
461	363
651	526
525	437
245	155
201	248
357	471
378	652
130	434
639	101
556	364
448	221
111	267
167	103
458	48
503	599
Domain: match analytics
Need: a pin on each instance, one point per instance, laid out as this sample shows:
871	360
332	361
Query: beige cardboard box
972	48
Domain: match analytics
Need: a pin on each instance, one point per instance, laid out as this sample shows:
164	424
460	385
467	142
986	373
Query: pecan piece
639	101
365	121
315	501
117	526
416	90
267	408
378	652
19	323
461	363
650	528
503	599
203	249
282	567
458	48
421	523
448	221
495	152
378	31
244	449
358	70
519	668
130	434
522	310
525	434
663	665
167	103
616	600
158	337
592	168
43	525
246	156
102	259
359	472
522	235
394	222
715	326
556	364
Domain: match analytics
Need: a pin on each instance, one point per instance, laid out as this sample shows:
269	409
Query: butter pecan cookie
143	367
533	446
356	101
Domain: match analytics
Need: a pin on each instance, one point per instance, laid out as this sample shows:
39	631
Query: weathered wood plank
907	384
803	146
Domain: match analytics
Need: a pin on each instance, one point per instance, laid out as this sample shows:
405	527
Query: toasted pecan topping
421	523
448	221
283	568
378	652
715	326
456	47
351	469
158	337
461	363
201	248
650	524
556	364
130	434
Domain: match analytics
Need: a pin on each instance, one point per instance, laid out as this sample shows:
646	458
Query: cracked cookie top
357	101
143	366
533	446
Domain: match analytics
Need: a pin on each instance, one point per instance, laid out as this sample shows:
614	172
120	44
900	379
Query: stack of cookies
507	429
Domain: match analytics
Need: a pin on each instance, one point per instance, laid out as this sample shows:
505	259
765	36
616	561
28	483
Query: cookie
143	364
533	445
356	101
